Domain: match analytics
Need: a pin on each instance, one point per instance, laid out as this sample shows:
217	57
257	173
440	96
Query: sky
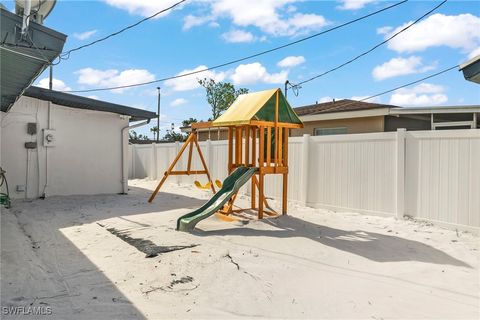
203	33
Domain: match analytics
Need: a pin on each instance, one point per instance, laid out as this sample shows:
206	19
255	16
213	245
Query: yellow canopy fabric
244	108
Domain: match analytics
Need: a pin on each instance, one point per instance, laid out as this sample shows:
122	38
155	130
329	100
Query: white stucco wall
85	160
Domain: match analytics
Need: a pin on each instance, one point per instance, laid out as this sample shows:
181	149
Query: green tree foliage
187	122
154	129
220	95
133	136
173	136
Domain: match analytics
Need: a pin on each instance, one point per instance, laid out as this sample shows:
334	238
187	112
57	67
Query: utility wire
371	49
66	55
250	56
410	83
397	88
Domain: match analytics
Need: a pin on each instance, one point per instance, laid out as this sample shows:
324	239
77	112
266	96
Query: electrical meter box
49	138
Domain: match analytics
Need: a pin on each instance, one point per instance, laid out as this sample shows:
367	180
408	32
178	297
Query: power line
410	83
66	55
397	88
250	56
371	49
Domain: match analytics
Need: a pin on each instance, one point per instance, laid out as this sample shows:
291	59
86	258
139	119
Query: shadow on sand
374	246
38	260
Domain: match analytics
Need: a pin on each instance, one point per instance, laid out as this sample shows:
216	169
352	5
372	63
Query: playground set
264	116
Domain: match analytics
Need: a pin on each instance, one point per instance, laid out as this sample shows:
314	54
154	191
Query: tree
134	137
187	122
173	136
220	95
154	129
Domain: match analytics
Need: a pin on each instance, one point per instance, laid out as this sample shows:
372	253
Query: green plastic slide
231	185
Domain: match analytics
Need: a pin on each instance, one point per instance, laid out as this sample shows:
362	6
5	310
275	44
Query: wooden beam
253	191
183	172
269	146
261	195
279	148
238	146
230	149
254	146
261	149
260	123
202	125
189	165
247	146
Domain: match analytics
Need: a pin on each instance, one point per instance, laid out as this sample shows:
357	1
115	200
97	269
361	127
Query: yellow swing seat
203	187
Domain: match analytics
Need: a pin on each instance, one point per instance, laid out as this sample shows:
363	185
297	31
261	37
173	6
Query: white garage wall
85	160
432	175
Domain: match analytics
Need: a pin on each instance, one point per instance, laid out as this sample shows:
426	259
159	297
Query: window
329	131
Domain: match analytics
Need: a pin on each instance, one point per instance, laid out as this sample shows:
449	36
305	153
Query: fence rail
432	175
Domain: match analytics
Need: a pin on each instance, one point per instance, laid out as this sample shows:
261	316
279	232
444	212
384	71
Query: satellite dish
35	10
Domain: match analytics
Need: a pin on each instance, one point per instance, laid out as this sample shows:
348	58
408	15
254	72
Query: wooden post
253	192
269	146
254	146
230	149
285	175
261	195
189	163
261	148
238	146
247	146
279	148
276	154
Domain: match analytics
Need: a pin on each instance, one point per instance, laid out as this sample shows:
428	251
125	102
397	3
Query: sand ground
118	257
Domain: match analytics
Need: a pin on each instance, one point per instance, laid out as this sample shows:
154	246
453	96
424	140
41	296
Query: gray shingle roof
338	106
79	102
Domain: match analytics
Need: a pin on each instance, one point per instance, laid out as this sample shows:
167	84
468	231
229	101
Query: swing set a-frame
259	126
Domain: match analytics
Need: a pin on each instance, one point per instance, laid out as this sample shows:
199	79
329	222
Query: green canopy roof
258	106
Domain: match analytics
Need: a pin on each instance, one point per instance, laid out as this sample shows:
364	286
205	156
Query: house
350	116
54	143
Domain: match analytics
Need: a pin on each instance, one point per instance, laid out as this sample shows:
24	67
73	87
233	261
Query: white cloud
112	77
57	84
459	32
237	36
254	73
270	16
191	21
400	66
178	102
93	97
291	61
84	35
354	4
424	94
474	53
191	82
384	30
143	7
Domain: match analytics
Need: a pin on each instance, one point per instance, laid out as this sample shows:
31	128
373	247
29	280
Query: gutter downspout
125	153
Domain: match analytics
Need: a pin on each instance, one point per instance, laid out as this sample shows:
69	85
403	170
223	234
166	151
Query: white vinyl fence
431	175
